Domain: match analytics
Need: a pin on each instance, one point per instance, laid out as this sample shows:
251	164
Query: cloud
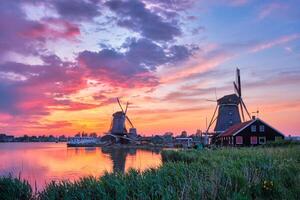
13	25
53	29
269	44
176	5
42	85
22	35
77	9
270	8
262	79
134	16
51	125
133	67
201	62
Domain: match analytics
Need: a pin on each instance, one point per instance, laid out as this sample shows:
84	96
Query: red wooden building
252	132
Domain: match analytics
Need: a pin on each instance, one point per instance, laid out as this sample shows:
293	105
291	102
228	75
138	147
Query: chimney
253	117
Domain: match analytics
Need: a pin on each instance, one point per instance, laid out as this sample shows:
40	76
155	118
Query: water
40	163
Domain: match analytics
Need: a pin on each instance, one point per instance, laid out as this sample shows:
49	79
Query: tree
78	135
93	134
183	134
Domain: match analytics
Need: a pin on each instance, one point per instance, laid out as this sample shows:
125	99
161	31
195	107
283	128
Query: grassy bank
246	173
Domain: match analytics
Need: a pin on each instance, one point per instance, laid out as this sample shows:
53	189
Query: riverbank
225	173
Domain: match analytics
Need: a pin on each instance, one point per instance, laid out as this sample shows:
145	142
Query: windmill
118	125
230	108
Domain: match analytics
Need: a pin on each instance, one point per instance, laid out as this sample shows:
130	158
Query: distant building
253	132
183	142
157	139
6	138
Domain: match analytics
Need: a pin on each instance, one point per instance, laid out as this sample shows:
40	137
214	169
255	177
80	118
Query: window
253	128
261	128
262	140
239	140
253	140
278	138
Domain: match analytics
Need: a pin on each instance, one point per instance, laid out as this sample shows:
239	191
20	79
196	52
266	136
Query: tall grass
14	188
246	173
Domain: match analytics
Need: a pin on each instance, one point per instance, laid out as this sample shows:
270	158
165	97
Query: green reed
14	188
225	173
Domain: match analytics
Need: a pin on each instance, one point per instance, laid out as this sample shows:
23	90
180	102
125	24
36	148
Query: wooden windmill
229	108
118	125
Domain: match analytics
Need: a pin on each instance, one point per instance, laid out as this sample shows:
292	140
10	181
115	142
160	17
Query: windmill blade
237	91
212	119
210	100
120	105
211	124
126	107
129	122
239	81
242	111
246	108
216	94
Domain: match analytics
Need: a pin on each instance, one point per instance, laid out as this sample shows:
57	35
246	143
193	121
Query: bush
282	143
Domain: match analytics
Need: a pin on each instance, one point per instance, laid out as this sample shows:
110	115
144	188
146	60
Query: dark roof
233	129
229	99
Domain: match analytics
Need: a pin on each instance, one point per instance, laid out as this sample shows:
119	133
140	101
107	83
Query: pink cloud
270	44
53	29
269	9
199	64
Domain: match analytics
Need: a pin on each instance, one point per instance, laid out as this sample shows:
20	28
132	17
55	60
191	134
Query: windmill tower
118	125
230	108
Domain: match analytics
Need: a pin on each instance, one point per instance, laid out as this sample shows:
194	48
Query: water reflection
119	158
42	162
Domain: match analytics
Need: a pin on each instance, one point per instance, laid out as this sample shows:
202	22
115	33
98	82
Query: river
40	163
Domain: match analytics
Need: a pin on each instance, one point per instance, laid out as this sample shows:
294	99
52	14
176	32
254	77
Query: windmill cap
229	99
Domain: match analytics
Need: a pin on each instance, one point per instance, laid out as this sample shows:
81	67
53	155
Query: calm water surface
40	163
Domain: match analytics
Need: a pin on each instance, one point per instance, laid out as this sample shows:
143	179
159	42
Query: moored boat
82	141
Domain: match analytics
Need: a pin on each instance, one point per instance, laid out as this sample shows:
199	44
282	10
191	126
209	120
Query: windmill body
230	109
118	123
228	112
118	131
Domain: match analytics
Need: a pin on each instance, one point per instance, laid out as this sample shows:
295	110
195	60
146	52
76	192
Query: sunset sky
63	63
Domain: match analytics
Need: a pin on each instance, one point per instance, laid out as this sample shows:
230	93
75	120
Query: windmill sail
230	108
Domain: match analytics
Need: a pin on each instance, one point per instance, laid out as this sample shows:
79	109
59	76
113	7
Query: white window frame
253	128
241	139
261	128
262	137
252	142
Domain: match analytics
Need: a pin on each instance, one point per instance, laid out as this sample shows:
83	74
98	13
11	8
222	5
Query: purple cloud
39	87
133	15
77	9
22	35
13	25
135	66
172	4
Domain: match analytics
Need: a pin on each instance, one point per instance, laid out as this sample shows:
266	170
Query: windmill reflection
119	155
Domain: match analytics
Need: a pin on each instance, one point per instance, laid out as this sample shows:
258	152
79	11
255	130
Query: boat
83	142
